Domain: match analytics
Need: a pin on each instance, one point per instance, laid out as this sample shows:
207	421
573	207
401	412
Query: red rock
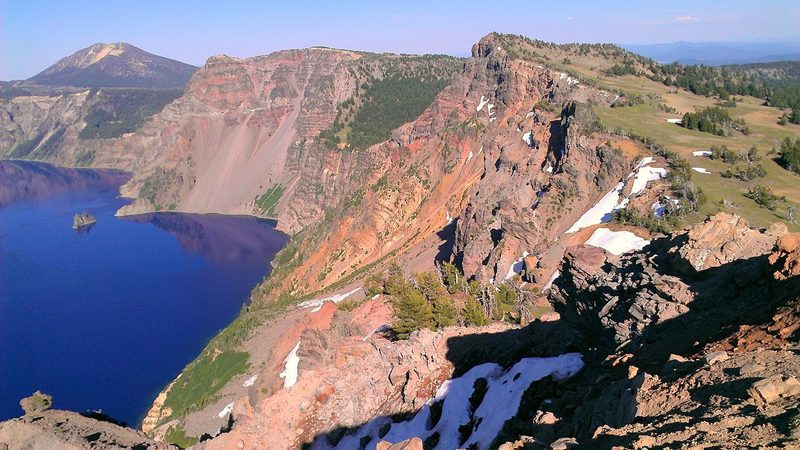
724	238
323	393
414	443
786	257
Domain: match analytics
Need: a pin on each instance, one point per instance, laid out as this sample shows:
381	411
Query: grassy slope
648	120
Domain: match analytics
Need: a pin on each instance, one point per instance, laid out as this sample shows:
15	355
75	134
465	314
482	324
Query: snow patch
501	402
700	170
480	150
562	75
226	410
482	103
601	212
616	242
705	153
529	115
449	219
674	120
527	138
553	278
290	365
380	328
645	175
644	162
250	381
469	155
318	302
517	266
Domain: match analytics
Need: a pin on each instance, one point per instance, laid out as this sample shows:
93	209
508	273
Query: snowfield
705	153
700	170
553	278
250	381
645	175
601	212
226	410
527	138
616	242
503	394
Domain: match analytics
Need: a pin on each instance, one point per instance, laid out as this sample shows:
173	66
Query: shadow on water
80	306
219	239
25	180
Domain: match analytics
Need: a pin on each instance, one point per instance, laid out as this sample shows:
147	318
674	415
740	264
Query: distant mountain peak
96	52
117	64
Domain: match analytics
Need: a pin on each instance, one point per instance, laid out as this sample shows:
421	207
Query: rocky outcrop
722	239
621	300
541	171
786	257
68	430
698	326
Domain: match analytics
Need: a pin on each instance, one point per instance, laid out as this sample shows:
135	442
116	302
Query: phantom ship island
83	220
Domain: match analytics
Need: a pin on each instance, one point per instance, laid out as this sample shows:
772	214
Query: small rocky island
82	220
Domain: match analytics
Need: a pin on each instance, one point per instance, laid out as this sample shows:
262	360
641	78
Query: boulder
786	256
544	418
721	239
414	443
773	389
715	357
564	444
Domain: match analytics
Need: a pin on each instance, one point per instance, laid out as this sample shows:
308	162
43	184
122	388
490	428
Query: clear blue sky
36	33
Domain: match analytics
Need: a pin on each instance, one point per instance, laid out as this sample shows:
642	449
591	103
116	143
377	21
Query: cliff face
227	140
541	173
490	152
42	126
243	128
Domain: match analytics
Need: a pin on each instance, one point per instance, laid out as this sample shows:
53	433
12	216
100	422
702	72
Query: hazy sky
35	34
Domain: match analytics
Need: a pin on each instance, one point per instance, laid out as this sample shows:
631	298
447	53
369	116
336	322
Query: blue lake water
105	318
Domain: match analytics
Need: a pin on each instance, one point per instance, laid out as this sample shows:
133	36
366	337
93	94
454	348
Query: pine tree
451	277
373	285
429	285
412	313
474	314
444	312
795	117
